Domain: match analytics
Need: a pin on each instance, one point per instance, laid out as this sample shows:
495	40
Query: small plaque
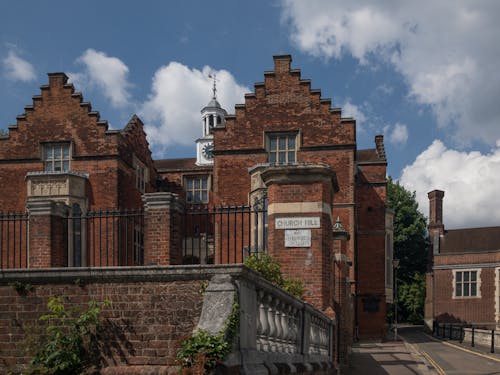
297	222
298	238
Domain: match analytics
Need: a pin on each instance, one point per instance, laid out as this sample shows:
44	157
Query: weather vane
214	89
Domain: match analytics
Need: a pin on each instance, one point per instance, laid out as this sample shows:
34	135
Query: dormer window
57	157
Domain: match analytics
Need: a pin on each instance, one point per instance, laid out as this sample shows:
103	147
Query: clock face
208	151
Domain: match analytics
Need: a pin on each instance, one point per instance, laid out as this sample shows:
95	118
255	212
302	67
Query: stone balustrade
278	333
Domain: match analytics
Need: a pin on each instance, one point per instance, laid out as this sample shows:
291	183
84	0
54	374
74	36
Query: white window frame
278	149
61	158
469	282
191	189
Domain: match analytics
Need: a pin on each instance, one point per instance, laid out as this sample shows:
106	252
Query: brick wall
151	312
471	310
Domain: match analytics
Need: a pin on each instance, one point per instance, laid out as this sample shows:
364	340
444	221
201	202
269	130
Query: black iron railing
106	238
224	235
13	240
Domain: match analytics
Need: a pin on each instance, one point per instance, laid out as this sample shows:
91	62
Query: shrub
270	269
63	349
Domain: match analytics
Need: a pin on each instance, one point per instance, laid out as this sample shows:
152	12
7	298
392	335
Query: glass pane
66	166
458	275
272	144
466	276
189	184
466	290
57	152
473	289
458	290
57	166
473	275
272	157
204	196
197	183
282	141
66	152
197	196
291	157
291	143
48	152
204	183
48	166
189	196
282	157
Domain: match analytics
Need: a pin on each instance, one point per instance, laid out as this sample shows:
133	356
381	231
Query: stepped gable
283	102
58	114
135	139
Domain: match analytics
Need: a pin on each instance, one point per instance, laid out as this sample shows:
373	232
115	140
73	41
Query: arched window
219	120
211	121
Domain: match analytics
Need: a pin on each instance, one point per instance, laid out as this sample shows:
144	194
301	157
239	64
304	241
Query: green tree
410	231
410	247
411	296
3	133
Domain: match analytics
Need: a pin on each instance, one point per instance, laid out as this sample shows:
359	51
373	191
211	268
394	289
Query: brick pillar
341	290
163	223
48	235
300	224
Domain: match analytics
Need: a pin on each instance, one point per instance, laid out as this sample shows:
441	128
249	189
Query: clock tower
213	115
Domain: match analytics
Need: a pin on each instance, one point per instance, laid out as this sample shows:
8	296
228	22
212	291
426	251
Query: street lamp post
395	266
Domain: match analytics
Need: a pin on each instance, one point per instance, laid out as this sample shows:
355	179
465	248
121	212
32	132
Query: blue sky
425	75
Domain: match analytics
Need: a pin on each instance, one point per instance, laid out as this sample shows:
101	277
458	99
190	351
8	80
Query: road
448	358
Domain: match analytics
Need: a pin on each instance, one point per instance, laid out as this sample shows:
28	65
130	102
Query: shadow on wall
110	346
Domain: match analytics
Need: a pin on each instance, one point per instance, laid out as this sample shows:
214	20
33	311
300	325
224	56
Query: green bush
270	269
63	349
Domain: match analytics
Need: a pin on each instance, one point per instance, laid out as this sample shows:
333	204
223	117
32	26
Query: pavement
387	357
415	352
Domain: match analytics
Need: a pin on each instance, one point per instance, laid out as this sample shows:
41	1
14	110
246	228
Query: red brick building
287	145
322	201
464	283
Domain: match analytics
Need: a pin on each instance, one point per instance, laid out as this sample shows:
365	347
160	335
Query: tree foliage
411	296
410	247
410	231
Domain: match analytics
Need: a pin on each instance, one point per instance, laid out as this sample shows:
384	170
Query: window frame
193	189
53	159
458	293
141	175
269	136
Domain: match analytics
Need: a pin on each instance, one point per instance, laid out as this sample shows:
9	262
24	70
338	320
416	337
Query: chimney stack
436	226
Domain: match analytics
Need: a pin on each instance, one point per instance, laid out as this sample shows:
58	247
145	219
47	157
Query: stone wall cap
66	173
272	173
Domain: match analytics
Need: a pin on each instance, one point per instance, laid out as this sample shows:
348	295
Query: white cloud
178	93
470	181
447	51
105	72
18	69
398	134
352	110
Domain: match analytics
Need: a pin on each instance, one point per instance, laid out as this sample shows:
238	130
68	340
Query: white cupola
213	115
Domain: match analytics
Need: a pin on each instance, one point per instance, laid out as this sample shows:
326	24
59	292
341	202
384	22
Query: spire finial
214	89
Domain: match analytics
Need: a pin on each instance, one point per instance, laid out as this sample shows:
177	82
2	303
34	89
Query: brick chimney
436	226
